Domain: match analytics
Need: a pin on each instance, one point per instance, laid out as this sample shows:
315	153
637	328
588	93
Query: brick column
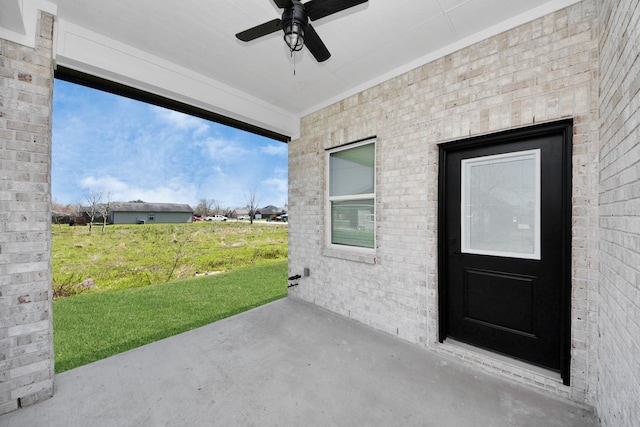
26	333
618	390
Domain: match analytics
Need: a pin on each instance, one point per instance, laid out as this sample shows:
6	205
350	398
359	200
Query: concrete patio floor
290	364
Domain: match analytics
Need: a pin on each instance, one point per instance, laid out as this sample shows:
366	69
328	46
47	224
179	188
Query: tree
93	200
252	204
205	207
61	212
104	210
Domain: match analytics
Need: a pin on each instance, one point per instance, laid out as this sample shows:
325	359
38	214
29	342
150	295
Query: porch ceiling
186	50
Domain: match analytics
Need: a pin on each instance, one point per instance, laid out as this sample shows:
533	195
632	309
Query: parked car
197	218
244	217
283	218
216	218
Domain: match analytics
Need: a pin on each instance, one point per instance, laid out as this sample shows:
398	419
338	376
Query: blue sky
130	150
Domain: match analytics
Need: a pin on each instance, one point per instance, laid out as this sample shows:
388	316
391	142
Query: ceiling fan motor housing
294	25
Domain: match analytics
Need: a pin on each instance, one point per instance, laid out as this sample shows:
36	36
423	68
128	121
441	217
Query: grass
134	284
127	256
97	325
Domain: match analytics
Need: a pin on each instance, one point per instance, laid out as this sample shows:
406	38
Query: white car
244	217
216	218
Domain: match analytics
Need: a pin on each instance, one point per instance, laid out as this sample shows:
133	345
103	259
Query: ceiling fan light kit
295	24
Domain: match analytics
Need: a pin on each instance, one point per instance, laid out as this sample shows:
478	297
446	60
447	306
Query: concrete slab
290	364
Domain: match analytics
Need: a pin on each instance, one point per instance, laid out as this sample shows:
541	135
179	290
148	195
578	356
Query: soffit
369	43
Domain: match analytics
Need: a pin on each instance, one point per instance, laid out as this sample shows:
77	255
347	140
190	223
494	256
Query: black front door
504	241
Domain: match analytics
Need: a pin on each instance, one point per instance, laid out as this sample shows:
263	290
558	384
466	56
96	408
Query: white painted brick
618	347
26	367
542	71
42	365
28	328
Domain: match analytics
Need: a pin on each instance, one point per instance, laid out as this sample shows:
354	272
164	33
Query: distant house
268	212
150	213
241	212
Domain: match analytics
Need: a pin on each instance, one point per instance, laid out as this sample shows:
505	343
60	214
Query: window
151	217
500	205
352	195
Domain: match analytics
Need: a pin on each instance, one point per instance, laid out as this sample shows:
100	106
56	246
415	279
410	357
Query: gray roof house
269	211
150	213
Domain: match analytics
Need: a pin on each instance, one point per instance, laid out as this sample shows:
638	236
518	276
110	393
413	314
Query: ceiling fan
296	27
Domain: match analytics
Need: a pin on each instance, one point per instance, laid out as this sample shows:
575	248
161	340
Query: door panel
504	234
500	300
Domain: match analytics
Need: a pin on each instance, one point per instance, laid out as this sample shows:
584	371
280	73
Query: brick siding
618	391
26	338
542	71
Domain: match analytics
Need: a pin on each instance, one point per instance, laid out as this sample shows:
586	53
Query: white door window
500	205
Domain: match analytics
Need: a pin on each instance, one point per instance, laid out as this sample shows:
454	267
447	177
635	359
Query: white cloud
181	121
221	149
107	184
280	172
170	191
277	185
280	149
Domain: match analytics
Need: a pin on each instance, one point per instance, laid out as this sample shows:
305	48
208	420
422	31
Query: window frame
353	197
465	229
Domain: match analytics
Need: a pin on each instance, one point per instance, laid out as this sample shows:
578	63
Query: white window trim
343	251
536	255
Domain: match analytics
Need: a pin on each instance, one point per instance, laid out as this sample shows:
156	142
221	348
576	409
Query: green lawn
127	256
96	325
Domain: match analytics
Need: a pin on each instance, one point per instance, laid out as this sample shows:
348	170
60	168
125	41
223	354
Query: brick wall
539	72
619	322
26	341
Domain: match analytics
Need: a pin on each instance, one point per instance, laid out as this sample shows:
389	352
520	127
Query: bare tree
181	241
93	201
105	209
205	206
252	204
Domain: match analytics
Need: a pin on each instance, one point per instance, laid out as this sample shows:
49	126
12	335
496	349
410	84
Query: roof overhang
186	53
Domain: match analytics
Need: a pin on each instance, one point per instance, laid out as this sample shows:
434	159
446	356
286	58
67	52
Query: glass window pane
352	223
351	171
501	205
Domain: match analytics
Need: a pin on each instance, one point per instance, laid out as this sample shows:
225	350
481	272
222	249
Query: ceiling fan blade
260	30
317	9
315	45
283	4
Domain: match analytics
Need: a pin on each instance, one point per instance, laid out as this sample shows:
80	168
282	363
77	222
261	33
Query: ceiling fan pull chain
292	49
293	55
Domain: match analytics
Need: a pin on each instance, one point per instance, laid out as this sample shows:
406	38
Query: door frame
563	128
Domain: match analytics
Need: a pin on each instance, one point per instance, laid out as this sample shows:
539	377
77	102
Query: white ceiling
369	43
